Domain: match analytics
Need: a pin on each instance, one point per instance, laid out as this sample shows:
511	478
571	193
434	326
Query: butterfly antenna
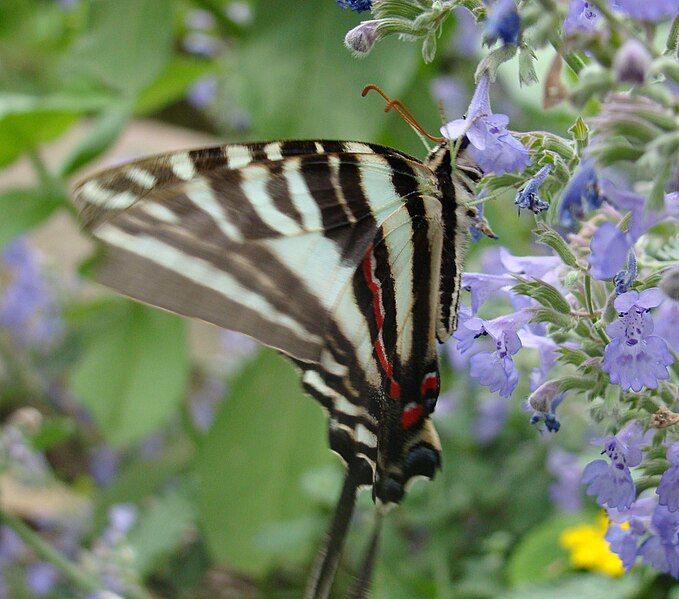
403	111
361	586
325	565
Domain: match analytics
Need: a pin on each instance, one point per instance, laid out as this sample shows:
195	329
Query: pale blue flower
492	146
611	483
635	358
528	197
582	17
503	22
648	10
668	489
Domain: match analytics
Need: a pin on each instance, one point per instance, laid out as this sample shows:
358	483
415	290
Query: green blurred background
213	443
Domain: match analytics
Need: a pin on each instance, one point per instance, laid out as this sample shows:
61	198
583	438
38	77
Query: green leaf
26	121
172	83
539	556
23	209
587	586
102	134
160	531
134	374
297	79
141	478
266	436
546	294
127	44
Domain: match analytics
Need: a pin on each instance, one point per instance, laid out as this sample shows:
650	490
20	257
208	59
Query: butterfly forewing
328	251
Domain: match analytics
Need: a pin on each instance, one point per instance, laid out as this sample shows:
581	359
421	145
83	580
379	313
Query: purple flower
648	10
533	266
624	279
465	41
204	402
356	5
580	196
528	197
451	92
202	44
608	251
667	322
632	62
482	286
503	22
565	491
635	357
491	415
543	402
612	483
103	464
610	246
582	17
661	549
493	369
493	148
28	309
668	489
121	517
624	540
41	578
202	92
547	352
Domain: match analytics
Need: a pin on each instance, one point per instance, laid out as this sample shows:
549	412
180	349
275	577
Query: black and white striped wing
278	241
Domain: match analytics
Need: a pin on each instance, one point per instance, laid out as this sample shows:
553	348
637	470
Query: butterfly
345	256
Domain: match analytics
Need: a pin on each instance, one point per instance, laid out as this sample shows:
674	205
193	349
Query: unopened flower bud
631	62
361	39
670	283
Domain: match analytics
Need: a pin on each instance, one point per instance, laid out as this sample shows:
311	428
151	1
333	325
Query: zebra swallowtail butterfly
345	256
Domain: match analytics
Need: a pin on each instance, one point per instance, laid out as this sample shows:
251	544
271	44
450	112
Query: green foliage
23	209
127	43
133	375
266	436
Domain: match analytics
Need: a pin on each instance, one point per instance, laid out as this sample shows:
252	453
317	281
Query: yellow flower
589	549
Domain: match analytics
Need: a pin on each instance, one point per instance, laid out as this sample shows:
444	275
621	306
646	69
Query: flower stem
45	551
79	577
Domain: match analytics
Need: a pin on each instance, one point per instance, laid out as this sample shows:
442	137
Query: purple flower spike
493	147
635	358
503	22
582	17
648	10
668	489
565	491
41	578
528	197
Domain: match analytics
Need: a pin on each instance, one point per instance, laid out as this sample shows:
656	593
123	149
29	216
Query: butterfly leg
325	565
361	586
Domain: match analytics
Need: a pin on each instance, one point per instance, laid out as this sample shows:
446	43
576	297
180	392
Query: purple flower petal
534	266
609	248
611	486
498	374
483	286
582	16
648	10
